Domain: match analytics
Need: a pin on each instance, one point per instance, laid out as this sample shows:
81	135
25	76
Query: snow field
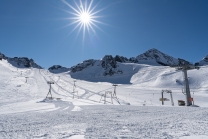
107	122
25	113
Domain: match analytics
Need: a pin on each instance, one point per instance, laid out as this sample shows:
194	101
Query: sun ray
88	9
94	7
85	6
70	6
75	27
78	7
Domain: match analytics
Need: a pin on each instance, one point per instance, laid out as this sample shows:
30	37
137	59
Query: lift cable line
184	66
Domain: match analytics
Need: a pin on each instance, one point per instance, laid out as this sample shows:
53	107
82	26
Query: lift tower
49	82
184	66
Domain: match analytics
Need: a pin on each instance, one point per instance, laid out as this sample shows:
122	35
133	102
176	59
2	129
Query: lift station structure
112	95
171	96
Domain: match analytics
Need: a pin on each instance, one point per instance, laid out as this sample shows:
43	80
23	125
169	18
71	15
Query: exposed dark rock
204	61
83	65
108	62
55	67
205	58
21	62
2	56
133	60
58	69
120	59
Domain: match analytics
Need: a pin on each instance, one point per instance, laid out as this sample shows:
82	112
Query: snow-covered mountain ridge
110	65
203	62
21	62
156	56
118	65
58	68
95	70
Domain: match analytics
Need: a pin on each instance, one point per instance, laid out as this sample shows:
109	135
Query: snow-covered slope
25	113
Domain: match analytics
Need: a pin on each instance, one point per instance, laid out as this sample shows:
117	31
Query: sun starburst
84	16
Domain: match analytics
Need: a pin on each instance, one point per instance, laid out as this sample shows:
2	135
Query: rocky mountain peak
83	65
121	59
203	62
205	58
20	62
23	62
108	61
157	56
58	69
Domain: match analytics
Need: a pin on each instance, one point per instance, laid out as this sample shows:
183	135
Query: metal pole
26	79
111	98
74	87
162	99
187	90
193	98
105	98
171	98
50	90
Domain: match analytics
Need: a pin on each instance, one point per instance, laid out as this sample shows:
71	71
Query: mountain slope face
203	62
21	62
155	57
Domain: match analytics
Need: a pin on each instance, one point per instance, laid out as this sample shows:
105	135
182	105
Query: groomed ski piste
25	112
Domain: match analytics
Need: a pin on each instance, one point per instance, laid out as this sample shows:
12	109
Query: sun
84	16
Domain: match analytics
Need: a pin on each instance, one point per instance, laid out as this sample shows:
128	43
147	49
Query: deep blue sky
35	29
